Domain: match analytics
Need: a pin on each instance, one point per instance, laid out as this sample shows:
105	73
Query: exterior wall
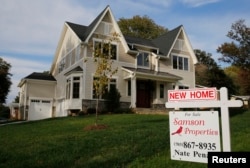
73	54
41	89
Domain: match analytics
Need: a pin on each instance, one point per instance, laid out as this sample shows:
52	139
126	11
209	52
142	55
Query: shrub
112	98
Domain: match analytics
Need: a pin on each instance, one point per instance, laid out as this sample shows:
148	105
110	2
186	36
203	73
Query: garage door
40	109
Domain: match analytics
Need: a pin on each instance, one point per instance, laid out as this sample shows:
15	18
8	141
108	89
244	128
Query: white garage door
40	109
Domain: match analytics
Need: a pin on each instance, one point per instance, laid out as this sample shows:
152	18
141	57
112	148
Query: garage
40	109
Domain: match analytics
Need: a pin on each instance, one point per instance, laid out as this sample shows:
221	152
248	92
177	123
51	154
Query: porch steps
151	111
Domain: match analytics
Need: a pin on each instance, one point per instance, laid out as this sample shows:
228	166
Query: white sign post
223	103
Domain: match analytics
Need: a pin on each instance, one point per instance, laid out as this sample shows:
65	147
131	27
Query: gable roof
161	45
77	69
166	41
37	76
80	30
83	32
40	76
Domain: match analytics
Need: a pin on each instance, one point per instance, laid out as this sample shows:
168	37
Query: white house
147	69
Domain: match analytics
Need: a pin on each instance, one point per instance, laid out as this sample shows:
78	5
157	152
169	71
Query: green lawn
130	140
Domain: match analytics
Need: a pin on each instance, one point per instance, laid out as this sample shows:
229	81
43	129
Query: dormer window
143	59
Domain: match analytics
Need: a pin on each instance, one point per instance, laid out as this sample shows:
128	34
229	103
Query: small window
161	91
183	87
143	59
129	87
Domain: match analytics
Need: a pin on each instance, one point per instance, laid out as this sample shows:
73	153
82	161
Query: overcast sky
30	29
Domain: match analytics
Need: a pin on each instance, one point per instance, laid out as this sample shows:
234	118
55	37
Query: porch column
133	92
176	86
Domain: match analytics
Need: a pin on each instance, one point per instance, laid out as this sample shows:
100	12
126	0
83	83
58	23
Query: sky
30	29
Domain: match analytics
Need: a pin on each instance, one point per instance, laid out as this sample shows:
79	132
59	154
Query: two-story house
147	69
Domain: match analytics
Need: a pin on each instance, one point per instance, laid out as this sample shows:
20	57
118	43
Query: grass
129	141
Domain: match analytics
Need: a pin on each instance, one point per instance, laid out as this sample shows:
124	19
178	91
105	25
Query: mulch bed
95	127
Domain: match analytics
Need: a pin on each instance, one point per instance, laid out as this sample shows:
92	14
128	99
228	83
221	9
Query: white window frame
143	66
105	42
183	62
69	89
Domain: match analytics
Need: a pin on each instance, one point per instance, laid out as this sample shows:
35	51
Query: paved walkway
14	122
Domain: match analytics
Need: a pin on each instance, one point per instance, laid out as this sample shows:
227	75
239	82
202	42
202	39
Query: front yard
130	140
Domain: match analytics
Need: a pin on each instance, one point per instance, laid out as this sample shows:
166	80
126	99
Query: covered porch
149	87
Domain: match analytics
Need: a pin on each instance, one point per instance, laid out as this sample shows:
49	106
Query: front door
143	94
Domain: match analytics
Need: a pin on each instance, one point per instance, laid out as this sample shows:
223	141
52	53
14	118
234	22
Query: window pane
186	64
140	59
76	89
146	61
175	62
98	47
113	51
129	88
161	91
180	63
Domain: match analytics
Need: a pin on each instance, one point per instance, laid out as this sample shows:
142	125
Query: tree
141	27
237	52
16	100
103	54
208	73
5	80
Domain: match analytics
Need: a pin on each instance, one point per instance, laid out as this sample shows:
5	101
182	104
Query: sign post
195	99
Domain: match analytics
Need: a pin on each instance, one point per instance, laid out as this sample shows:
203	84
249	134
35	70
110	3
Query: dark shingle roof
83	31
76	69
141	41
165	41
80	30
40	76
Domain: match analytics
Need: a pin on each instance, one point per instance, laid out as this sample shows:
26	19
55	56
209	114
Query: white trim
183	56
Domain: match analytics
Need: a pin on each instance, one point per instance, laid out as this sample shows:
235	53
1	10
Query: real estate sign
192	94
193	134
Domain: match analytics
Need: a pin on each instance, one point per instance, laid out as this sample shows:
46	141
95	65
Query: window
143	59
161	91
76	87
68	88
112	83
180	63
181	87
73	87
129	87
107	49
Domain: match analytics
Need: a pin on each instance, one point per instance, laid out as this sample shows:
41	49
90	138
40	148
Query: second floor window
143	59
107	49
180	63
